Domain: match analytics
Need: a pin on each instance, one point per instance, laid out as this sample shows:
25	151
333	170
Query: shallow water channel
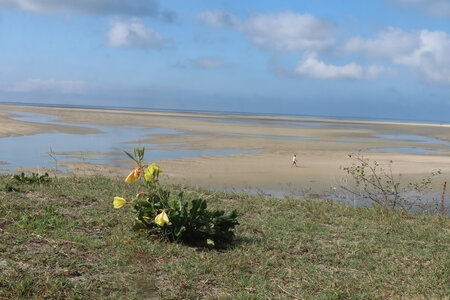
106	147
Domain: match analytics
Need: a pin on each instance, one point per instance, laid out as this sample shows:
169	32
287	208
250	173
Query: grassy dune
64	240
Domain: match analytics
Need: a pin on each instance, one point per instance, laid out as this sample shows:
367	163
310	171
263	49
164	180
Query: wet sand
321	146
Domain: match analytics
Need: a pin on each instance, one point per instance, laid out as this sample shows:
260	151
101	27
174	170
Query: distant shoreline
337	119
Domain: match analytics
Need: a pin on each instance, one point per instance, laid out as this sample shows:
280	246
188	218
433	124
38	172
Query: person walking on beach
294	161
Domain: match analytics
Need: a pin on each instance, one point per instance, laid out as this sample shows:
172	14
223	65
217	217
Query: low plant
10	187
33	178
379	185
175	218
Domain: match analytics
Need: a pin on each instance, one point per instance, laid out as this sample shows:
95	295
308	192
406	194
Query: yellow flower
162	219
133	175
152	172
119	202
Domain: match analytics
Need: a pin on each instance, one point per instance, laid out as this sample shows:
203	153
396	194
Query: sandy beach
267	144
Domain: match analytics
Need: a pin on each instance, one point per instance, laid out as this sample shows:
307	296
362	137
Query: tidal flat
219	151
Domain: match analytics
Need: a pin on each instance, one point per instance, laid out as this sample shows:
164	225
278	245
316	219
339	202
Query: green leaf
129	155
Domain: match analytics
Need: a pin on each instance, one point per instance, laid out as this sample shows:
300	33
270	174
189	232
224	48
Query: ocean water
271	114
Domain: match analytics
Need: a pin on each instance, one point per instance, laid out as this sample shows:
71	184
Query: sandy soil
321	149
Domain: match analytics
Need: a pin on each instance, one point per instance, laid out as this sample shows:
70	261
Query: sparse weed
22	178
381	187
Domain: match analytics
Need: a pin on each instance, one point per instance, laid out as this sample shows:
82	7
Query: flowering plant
175	218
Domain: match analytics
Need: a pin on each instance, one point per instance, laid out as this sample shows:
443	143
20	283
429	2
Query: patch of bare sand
317	171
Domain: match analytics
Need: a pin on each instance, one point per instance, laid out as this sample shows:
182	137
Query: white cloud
431	59
133	33
106	7
42	85
208	62
431	7
391	42
311	67
280	32
425	52
287	31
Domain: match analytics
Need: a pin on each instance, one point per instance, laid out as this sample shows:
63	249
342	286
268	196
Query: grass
63	239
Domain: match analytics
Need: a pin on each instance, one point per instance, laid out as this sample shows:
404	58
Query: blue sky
367	59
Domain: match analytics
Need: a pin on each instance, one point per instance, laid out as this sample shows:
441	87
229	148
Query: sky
363	59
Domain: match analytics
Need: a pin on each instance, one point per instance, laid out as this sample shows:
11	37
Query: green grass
64	240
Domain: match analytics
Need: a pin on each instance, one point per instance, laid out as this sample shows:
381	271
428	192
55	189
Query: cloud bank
423	52
280	32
